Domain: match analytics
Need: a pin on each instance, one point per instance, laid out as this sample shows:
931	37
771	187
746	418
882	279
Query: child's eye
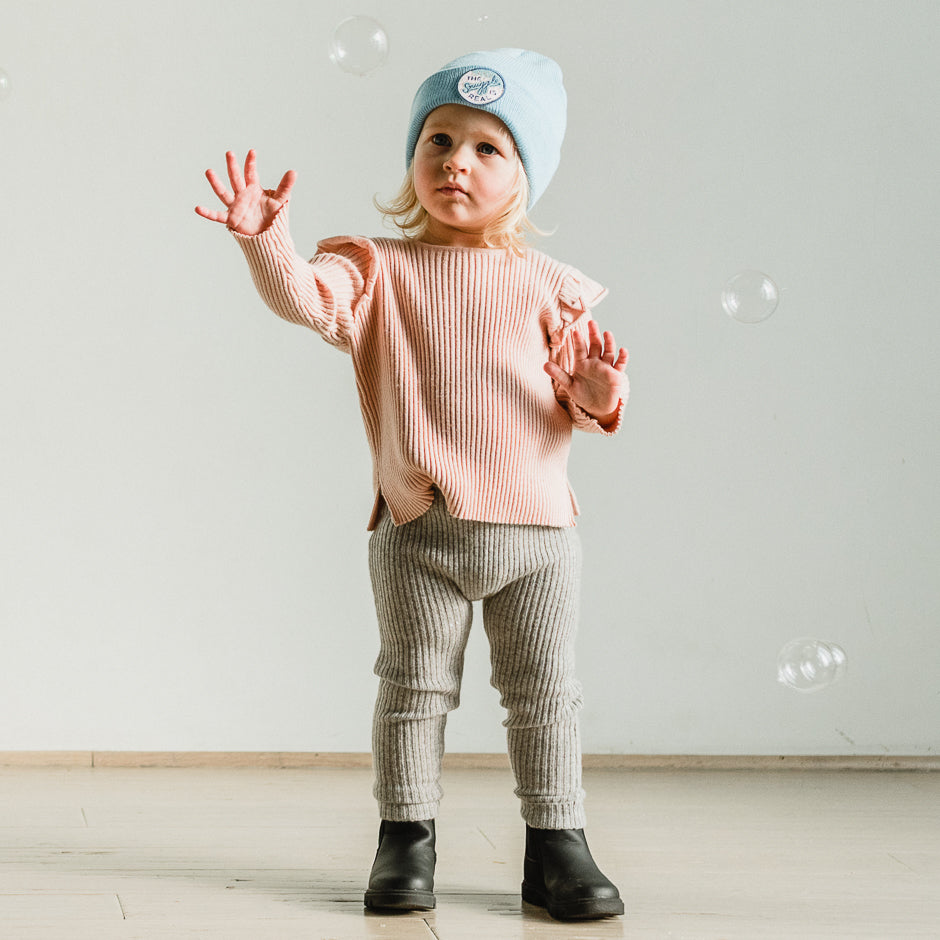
487	149
440	140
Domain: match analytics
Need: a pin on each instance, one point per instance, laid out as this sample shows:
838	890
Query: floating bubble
4	84
808	665
750	297
359	45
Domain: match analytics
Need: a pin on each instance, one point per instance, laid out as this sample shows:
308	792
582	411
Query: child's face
465	172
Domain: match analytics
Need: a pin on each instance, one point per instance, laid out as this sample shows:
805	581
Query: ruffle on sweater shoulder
577	295
360	254
349	245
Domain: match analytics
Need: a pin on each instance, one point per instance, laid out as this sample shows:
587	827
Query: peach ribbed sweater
448	346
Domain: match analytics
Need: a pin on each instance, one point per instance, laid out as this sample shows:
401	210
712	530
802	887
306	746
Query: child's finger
211	214
622	359
251	168
234	171
579	344
558	374
218	187
609	347
286	185
594	334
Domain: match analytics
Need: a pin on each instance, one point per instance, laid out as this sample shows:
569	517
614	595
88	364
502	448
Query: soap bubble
4	84
359	45
750	297
808	665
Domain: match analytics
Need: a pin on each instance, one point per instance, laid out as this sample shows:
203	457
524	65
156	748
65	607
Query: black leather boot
403	871
561	875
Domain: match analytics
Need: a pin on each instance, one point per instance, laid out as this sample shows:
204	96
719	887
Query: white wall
184	481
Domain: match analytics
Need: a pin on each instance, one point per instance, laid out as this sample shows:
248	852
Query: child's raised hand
596	378
249	209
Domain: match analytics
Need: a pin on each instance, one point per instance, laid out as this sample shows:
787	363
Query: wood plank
46	759
246	853
312	759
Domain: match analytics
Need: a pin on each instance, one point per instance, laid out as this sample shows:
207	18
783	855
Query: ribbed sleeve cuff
272	248
587	422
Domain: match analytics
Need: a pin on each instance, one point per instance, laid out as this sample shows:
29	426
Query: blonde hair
507	230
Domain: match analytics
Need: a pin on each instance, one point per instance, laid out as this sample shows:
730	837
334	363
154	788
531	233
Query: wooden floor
277	854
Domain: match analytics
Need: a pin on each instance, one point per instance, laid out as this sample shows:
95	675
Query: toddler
475	357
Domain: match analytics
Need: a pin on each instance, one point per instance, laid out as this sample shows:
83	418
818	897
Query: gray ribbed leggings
425	574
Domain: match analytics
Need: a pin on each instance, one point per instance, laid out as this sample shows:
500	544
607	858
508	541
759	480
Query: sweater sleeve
576	296
326	294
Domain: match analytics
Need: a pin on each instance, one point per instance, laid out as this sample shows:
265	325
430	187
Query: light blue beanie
523	89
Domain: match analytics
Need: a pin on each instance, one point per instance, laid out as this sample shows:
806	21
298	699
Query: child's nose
457	160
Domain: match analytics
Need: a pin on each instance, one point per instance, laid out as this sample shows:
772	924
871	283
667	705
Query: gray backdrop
184	481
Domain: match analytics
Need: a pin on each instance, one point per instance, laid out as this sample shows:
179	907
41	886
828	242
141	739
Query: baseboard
313	759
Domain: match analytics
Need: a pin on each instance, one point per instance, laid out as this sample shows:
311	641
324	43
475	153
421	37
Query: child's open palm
596	378
249	209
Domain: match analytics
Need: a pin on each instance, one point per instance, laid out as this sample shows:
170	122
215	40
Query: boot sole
585	909
400	900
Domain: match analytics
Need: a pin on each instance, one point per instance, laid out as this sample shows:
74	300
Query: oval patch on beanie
481	86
